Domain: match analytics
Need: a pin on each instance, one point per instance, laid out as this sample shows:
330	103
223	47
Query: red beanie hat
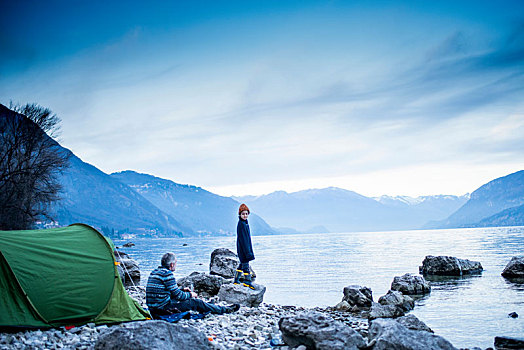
242	208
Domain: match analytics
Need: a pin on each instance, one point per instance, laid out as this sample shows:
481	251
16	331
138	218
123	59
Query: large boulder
385	311
449	266
147	335
128	269
388	334
223	263
515	268
396	298
412	322
411	285
202	283
504	343
318	331
239	294
358	297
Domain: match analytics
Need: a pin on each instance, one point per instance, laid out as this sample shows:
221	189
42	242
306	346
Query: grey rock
343	306
503	343
515	268
121	255
509	343
388	334
361	297
318	331
449	266
152	335
385	311
412	322
223	263
239	294
202	283
411	285
128	269
396	298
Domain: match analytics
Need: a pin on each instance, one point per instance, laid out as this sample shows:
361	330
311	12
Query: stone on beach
361	297
503	343
239	294
385	311
128	269
411	285
514	268
202	283
449	266
318	331
224	263
412	322
388	334
343	306
396	298
151	335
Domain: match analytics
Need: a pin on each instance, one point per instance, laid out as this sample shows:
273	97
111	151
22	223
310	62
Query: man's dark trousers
197	305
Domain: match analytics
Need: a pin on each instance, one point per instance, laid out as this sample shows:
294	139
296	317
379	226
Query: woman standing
244	247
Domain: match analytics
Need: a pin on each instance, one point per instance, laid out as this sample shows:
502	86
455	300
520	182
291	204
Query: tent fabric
62	276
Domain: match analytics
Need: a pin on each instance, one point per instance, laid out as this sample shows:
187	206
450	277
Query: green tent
59	277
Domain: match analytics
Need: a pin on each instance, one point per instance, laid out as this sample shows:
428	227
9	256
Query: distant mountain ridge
91	196
340	210
499	202
203	211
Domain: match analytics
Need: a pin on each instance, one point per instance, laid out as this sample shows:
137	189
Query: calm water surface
312	270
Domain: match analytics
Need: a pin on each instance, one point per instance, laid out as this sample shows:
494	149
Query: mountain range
338	210
498	203
128	202
147	205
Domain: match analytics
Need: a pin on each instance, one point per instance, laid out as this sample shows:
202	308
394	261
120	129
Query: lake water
312	270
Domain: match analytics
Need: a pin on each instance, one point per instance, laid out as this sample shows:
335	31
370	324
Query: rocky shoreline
249	328
357	322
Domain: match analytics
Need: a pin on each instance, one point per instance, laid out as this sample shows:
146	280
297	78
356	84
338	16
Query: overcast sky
249	97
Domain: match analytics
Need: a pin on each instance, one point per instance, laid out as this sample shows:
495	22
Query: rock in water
504	343
396	298
318	331
129	245
449	266
239	294
223	263
412	322
202	283
388	334
411	285
361	297
146	335
515	268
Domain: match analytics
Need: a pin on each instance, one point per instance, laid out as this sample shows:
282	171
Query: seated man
164	296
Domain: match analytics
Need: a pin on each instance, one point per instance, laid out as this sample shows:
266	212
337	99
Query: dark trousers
244	267
197	305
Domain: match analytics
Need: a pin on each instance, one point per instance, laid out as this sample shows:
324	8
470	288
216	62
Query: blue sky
378	97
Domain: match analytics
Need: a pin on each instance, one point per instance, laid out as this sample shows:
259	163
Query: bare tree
30	163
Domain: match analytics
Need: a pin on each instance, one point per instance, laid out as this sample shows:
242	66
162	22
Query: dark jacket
244	247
